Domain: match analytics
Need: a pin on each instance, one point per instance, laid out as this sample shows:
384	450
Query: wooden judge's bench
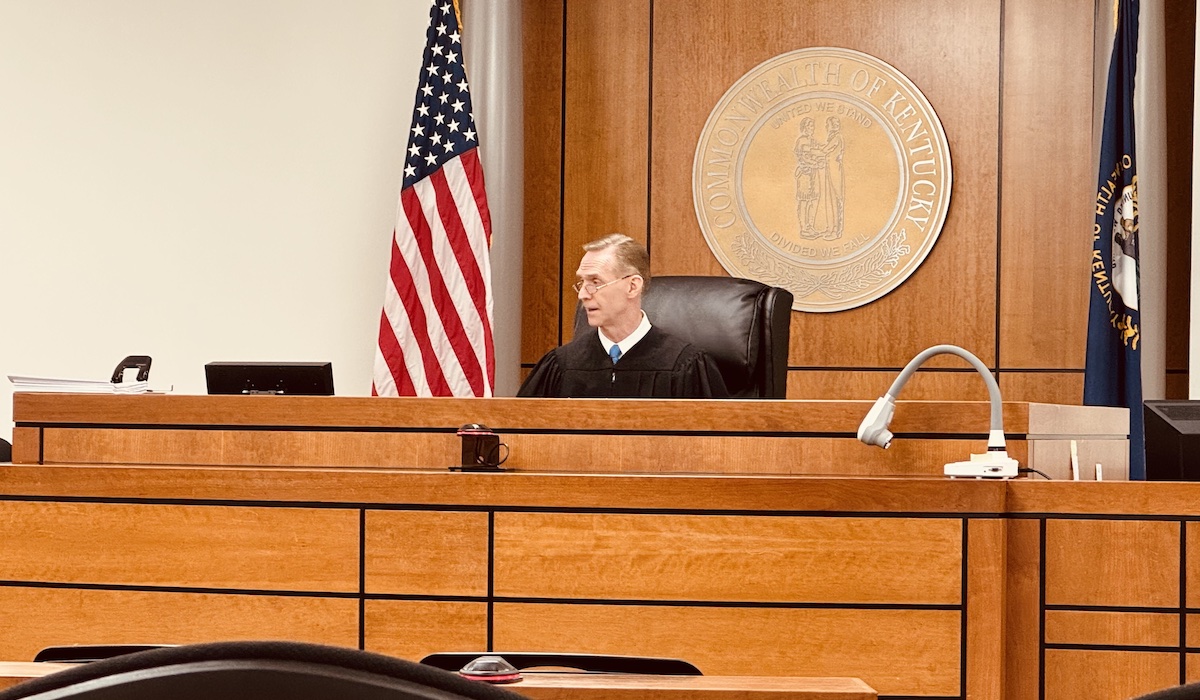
752	538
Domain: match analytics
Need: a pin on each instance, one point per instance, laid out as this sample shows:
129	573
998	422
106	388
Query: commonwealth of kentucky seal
823	171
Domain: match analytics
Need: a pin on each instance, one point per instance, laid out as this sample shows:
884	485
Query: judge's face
612	304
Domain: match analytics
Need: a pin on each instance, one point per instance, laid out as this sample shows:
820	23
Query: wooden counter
558	435
920	586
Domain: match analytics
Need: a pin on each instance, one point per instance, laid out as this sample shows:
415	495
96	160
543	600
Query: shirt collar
630	340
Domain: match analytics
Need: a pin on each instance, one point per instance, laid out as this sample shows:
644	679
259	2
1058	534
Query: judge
626	356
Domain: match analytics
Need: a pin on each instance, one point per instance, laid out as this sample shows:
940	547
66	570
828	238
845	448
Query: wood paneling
1193	556
1112	628
166	545
559	453
1193	631
615	686
514	489
907	652
869	385
413	629
1179	66
428	553
605	131
26	445
701	50
52	617
288	448
1044	245
1045	387
1111	562
1022	609
446	415
1107	675
985	614
731	558
543	92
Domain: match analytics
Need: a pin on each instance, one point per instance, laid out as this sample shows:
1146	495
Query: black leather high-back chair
1190	691
5	450
254	671
742	324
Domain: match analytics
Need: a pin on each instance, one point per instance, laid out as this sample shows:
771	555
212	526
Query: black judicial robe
658	366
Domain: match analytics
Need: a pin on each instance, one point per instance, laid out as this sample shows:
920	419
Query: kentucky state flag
1113	376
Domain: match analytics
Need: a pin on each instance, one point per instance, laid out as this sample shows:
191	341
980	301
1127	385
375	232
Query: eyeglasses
593	288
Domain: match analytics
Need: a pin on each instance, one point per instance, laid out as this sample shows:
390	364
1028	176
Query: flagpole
1150	101
492	46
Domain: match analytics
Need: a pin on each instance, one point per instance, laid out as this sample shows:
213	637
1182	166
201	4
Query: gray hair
629	256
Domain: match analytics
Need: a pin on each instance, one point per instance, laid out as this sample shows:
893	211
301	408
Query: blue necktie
615	353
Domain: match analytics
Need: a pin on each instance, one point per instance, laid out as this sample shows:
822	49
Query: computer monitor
1172	430
289	378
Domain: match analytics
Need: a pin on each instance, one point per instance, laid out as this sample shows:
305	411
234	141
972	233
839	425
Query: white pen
1099	472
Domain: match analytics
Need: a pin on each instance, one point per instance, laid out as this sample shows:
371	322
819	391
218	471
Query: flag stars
431	159
446	7
451	57
441	28
449	146
446	76
440	119
457	105
469	134
443	97
462	85
431	69
437	49
414	150
454	37
410	171
454	127
427	90
423	110
418	130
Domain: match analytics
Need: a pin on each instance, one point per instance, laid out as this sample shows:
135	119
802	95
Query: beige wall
199	181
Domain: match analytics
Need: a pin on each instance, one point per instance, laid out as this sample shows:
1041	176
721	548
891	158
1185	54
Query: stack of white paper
75	386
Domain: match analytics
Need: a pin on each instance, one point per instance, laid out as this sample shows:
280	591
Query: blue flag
1113	375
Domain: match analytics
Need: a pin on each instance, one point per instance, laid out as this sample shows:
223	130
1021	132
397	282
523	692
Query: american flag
435	333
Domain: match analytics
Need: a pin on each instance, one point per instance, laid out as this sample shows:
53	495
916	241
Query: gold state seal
824	171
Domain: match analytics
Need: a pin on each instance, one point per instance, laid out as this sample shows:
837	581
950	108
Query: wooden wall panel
1022	631
1112	562
1046	243
985	613
1112	628
1180	68
1107	675
413	629
67	617
680	557
908	652
26	445
1011	82
1193	556
543	88
166	545
700	50
427	553
290	448
871	384
1042	387
606	138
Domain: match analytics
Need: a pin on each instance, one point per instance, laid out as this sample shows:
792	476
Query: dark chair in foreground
1190	691
591	663
5	450
742	324
254	671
